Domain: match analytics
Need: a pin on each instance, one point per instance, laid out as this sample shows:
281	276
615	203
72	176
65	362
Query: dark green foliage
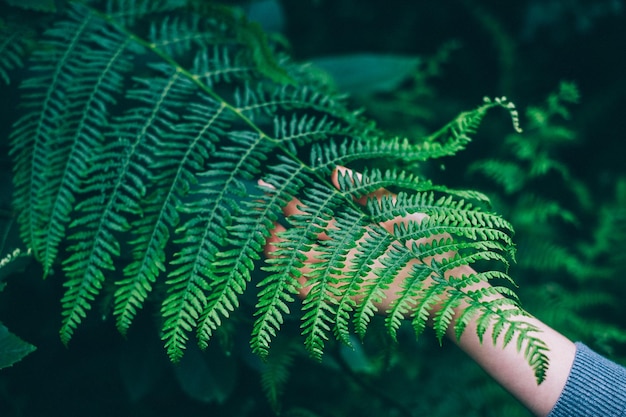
12	348
12	49
569	246
276	370
168	100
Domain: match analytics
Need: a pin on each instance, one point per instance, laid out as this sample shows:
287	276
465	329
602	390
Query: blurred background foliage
411	66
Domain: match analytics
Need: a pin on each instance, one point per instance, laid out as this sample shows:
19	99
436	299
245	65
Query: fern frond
205	233
406	304
218	64
444	215
88	99
285	269
455	135
177	35
178	163
278	289
95	247
147	129
137	131
127	13
443	318
253	102
372	180
502	315
326	156
322	302
300	130
33	138
445	142
427	300
348	230
233	267
275	372
392	259
412	289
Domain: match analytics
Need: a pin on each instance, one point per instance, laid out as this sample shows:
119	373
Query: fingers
294	207
378	194
312	256
270	246
346	171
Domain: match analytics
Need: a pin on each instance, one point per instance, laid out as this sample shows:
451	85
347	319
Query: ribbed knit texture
596	387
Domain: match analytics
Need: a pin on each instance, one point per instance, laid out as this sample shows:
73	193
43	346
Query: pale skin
506	365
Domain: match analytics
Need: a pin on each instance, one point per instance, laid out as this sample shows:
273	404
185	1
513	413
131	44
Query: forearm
505	364
509	367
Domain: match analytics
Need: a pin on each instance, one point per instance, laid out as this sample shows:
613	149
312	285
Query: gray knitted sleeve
596	387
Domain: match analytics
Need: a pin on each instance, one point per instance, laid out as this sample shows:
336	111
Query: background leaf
12	348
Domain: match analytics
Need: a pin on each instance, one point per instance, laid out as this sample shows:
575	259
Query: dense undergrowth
268	114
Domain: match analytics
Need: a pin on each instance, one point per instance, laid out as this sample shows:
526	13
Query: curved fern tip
508	105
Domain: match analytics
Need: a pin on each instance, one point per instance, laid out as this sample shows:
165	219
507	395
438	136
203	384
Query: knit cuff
596	387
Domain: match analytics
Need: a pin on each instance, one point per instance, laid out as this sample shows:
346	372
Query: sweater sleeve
596	387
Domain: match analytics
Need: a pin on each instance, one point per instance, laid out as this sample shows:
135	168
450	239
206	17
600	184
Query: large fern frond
37	163
176	164
147	128
205	233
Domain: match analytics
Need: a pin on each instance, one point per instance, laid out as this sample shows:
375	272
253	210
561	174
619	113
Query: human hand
390	293
500	319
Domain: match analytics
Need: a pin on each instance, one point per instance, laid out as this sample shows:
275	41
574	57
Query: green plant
569	243
144	128
12	348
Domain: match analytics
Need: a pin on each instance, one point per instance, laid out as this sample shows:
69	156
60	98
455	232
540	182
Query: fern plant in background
568	243
143	131
578	272
568	247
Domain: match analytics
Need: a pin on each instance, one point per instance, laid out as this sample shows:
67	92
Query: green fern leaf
289	258
219	65
233	267
455	135
405	304
445	142
320	305
392	258
275	372
147	128
206	233
136	130
349	228
88	102
176	167
33	137
93	252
